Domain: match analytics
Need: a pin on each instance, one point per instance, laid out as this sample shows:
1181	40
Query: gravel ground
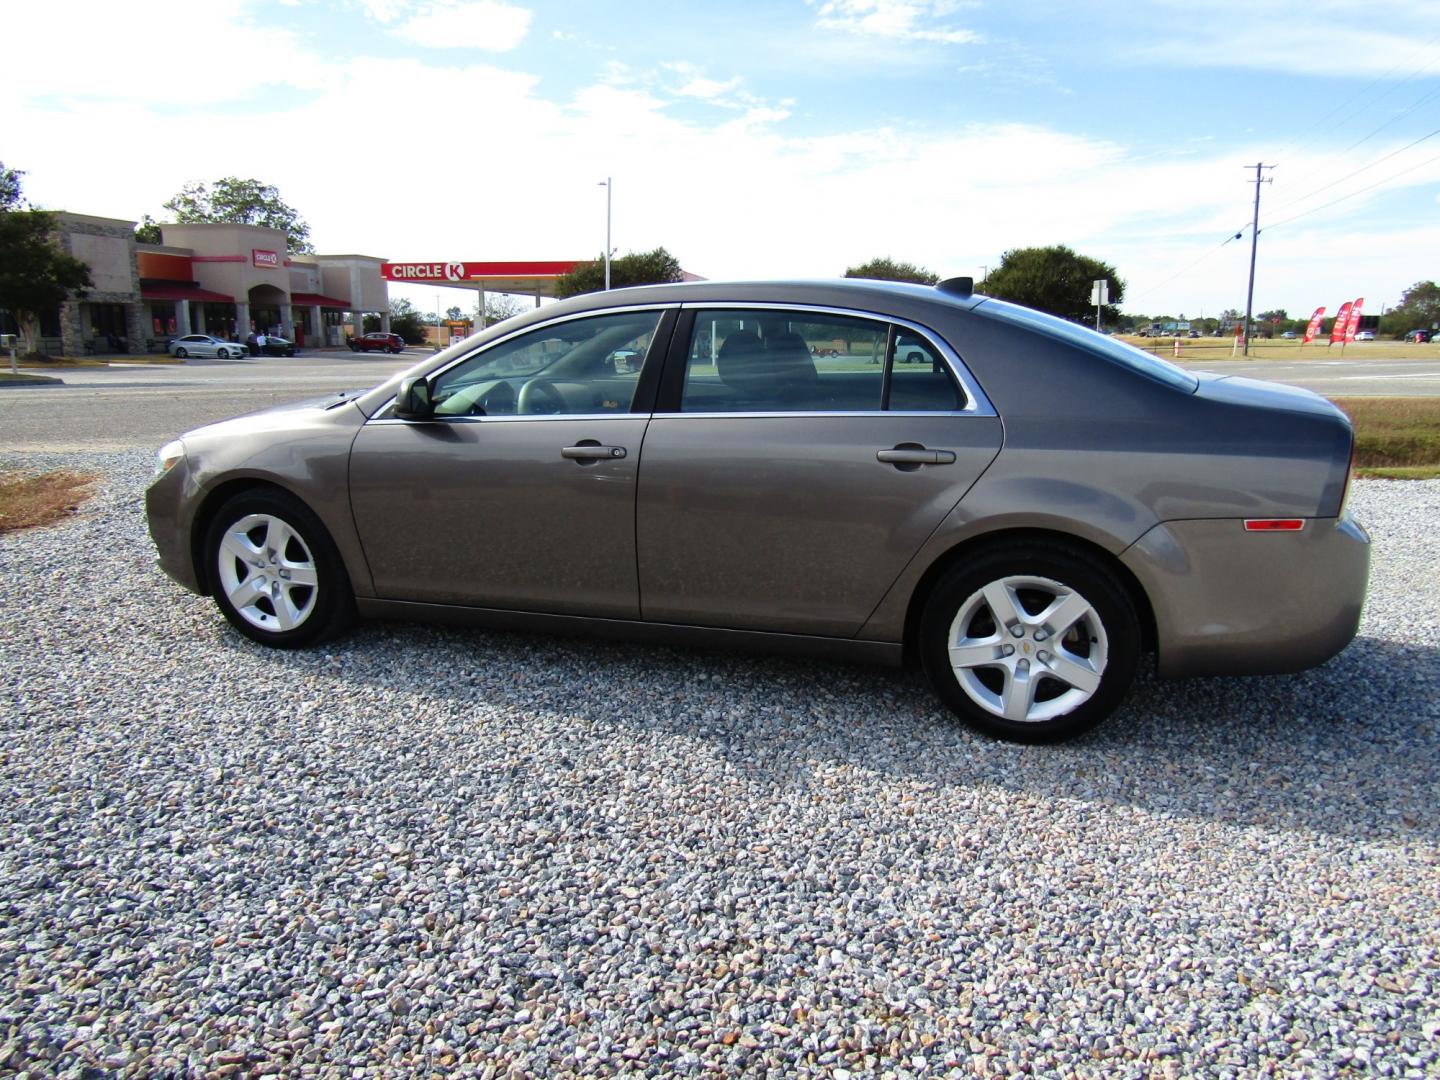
437	849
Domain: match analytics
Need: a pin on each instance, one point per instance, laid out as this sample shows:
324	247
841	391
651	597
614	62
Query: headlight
168	456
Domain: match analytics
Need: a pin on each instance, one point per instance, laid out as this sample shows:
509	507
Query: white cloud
468	24
907	20
237	58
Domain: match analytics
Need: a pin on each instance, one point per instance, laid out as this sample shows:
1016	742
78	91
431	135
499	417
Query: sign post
1099	296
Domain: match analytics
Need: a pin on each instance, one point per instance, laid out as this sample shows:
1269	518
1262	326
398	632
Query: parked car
203	345
1419	336
1365	335
278	346
1192	333
391	343
1025	516
1289	335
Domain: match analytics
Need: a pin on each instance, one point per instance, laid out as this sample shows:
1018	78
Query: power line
1300	139
1357	172
1361	191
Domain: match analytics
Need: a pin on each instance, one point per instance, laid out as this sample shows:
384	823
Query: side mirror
412	402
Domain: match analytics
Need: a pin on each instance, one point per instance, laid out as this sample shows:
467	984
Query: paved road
127	405
122	406
1339	378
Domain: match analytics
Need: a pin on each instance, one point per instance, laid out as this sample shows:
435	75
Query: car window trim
976	403
643	388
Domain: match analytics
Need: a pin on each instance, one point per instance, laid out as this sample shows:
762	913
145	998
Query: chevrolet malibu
868	470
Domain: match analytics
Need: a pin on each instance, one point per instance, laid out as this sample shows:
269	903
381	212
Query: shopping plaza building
226	280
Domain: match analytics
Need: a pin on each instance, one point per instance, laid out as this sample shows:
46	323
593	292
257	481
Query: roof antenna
957	286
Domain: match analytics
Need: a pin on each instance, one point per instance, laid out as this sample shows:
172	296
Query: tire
180	354
354	347
396	352
313	602
984	671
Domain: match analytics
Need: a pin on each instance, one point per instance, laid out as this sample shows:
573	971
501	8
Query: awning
179	290
310	299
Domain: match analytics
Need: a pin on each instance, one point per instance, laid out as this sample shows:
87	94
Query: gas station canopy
535	279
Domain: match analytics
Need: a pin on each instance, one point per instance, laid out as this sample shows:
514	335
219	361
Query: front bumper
165	501
1231	602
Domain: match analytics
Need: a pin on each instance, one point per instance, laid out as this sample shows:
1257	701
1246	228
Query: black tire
354	347
180	354
326	609
1034	574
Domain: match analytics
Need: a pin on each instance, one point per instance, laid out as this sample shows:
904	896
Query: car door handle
915	455
592	452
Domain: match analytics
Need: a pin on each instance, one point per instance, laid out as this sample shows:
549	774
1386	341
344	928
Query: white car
205	345
1365	335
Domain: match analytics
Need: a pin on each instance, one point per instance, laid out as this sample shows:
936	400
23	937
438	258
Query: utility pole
1254	240
609	186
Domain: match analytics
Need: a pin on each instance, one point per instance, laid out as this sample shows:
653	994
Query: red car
393	343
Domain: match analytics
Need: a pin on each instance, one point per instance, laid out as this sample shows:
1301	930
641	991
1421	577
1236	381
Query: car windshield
1083	337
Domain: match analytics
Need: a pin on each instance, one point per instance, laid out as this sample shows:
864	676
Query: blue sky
779	139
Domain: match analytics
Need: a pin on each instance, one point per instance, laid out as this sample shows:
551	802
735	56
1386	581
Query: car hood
276	417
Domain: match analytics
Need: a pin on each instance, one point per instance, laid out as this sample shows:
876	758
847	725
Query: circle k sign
437	271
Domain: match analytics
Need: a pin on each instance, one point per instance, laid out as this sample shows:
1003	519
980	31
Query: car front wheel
180	354
1032	643
275	572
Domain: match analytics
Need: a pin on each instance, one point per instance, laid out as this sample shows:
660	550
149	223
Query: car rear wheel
275	572
1031	643
180	354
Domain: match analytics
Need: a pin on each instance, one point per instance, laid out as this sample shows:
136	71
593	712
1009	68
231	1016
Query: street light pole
609	187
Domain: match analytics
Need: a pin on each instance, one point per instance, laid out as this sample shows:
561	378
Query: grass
6	376
1395	438
1214	350
28	501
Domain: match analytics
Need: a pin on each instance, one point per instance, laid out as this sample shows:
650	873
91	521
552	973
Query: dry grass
1214	350
28	501
1400	436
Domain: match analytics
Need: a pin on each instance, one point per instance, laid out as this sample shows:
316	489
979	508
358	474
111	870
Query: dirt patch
28	500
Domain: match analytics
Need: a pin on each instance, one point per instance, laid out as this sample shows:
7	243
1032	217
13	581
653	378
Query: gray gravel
427	848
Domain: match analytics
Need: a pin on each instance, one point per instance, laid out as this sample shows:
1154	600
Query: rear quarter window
1116	352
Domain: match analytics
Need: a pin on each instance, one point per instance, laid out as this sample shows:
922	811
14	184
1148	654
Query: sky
777	139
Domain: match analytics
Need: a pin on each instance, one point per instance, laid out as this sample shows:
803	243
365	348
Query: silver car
203	345
857	469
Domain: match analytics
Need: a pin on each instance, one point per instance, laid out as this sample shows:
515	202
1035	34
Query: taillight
1274	524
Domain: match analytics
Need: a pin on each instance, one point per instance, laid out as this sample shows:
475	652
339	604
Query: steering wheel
540	396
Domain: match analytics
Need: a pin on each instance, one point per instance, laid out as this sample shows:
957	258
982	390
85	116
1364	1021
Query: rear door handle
589	451
915	455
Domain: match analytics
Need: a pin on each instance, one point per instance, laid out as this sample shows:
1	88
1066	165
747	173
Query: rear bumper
1231	602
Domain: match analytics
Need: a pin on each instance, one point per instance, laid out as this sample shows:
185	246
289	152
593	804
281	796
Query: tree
454	314
1055	279
405	320
148	231
35	274
241	202
656	267
9	188
890	270
1418	309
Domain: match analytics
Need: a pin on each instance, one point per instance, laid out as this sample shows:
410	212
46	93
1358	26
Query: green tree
241	202
1055	279
9	188
405	320
148	231
35	274
656	267
890	270
1419	308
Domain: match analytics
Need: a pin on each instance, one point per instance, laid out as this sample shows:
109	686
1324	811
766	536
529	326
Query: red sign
1342	320
1354	323
471	271
1314	327
269	260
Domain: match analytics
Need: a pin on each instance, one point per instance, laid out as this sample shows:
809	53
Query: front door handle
592	451
911	454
